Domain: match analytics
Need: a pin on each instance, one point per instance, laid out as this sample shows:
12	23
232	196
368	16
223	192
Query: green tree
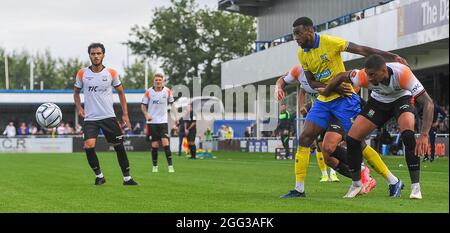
2	69
45	69
19	70
134	76
67	70
189	41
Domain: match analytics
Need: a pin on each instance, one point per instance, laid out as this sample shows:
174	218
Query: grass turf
231	183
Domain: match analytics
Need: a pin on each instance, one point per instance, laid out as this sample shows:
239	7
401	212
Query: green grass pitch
233	182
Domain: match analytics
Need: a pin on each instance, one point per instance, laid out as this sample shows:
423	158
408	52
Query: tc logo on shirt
92	88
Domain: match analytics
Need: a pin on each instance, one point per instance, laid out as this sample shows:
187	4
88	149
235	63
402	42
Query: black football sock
354	157
168	155
93	160
340	154
193	150
123	159
155	156
412	160
343	169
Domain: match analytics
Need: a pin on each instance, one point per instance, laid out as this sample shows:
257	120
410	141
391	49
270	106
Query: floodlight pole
6	72
146	73
31	73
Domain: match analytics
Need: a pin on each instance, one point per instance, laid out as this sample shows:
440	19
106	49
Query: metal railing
339	21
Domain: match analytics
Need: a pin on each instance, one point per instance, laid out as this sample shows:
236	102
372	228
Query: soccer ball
48	115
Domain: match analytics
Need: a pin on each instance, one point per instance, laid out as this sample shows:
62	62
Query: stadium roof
245	7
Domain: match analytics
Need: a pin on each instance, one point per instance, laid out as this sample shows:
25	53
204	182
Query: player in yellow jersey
320	57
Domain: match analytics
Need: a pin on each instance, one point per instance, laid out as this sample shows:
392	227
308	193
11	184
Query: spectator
248	131
221	132
208	135
61	129
32	129
78	129
137	129
181	134
68	129
10	130
228	132
22	130
438	116
174	131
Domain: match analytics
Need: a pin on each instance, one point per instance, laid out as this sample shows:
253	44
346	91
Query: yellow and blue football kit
324	61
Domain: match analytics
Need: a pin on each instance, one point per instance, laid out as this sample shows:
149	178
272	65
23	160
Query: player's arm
427	115
409	82
367	51
76	92
312	82
77	100
123	102
343	77
280	93
144	106
302	102
192	125
144	111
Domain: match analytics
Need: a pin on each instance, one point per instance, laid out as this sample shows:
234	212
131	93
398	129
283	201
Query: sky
67	27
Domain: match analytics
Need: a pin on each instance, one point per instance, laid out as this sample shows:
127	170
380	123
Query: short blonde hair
159	75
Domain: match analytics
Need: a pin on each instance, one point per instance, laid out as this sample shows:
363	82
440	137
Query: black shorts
334	126
379	112
155	132
109	126
191	135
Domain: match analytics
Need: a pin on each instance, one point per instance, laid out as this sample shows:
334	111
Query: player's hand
186	132
321	90
148	117
81	112
303	110
280	94
126	122
345	89
401	60
421	145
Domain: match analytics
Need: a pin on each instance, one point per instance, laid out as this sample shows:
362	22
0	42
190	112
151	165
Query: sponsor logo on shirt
417	86
323	74
96	89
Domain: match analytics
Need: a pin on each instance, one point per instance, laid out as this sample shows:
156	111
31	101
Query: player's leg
113	135
321	162
153	138
191	142
406	125
360	129
374	160
166	145
90	130
335	156
180	143
378	113
316	121
285	142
